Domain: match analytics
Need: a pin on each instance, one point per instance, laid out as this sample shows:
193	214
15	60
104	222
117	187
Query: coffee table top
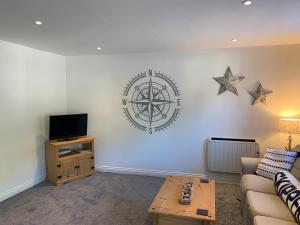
166	201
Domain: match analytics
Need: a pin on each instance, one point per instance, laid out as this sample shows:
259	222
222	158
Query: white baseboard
113	169
144	172
21	187
155	173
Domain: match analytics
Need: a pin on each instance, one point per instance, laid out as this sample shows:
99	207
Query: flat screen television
66	127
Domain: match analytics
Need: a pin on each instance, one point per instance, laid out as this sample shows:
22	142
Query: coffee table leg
155	220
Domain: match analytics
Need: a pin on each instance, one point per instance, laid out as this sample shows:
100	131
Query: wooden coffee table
168	211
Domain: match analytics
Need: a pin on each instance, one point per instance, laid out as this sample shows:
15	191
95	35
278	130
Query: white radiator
224	154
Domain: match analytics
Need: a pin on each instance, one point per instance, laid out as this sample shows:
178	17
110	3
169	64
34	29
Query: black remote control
202	212
204	180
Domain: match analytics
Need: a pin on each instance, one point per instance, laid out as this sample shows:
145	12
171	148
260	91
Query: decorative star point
259	95
228	82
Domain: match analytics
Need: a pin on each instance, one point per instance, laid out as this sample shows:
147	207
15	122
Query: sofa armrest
249	165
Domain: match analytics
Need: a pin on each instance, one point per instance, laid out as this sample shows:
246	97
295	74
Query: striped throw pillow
296	149
275	160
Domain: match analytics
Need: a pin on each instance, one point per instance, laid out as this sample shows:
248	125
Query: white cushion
251	182
275	160
263	220
261	204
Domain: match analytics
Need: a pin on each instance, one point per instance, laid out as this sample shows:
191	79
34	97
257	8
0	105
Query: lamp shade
289	125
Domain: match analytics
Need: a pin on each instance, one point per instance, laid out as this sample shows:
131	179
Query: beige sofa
260	203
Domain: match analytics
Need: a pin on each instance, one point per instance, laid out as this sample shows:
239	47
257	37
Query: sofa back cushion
296	169
288	188
275	160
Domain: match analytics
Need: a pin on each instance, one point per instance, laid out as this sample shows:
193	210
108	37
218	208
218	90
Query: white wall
95	85
32	85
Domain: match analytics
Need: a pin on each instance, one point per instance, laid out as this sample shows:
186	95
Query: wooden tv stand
72	165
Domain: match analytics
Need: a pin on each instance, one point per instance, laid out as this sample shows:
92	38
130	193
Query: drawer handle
92	157
92	167
59	177
58	165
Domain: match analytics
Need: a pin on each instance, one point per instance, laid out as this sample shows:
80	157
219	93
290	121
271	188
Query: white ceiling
77	27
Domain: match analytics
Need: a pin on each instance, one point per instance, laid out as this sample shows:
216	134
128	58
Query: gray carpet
103	199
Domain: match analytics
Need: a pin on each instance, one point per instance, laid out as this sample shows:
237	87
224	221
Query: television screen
67	126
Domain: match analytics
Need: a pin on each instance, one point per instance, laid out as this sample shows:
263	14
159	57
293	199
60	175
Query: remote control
204	180
202	212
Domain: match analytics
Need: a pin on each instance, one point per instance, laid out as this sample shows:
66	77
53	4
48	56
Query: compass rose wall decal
151	101
228	82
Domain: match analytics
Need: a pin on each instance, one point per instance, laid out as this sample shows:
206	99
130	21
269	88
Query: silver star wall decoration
228	82
259	95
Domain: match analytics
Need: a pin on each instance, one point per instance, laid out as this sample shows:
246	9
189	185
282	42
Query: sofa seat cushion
262	204
251	182
263	220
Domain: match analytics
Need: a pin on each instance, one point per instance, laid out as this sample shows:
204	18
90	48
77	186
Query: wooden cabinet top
80	140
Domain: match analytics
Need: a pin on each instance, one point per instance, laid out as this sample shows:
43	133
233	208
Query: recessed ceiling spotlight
247	2
38	22
99	48
234	40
